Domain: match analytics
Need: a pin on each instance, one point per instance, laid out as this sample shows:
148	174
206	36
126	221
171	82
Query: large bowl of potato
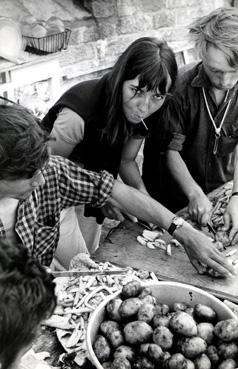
165	325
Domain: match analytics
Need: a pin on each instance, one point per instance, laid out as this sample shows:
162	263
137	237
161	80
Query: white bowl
168	293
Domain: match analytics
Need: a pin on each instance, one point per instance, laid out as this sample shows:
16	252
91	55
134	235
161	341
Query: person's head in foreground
23	152
27	298
216	40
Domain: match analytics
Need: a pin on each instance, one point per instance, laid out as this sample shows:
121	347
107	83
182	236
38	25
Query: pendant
217	137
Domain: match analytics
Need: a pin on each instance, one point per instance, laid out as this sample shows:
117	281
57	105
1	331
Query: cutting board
121	247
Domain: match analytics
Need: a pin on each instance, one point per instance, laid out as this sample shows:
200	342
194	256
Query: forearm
130	174
141	205
181	175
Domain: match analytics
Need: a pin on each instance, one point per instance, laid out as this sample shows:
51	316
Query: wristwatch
176	223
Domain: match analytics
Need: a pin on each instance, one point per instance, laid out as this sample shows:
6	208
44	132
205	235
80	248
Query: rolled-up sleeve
79	186
176	142
103	183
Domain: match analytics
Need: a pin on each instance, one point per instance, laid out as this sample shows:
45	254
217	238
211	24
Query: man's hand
201	250
231	219
199	208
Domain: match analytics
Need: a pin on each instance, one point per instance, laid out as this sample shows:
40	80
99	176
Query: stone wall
114	24
102	29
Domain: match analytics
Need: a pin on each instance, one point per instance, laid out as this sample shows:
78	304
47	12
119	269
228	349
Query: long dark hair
153	61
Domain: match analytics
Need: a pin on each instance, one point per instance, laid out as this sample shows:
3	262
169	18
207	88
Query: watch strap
172	228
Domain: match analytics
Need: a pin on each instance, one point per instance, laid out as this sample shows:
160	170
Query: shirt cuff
104	190
177	142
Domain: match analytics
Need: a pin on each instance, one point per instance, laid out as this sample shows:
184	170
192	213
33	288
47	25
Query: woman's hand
199	208
201	250
231	219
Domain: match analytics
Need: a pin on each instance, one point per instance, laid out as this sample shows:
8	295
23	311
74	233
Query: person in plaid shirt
35	187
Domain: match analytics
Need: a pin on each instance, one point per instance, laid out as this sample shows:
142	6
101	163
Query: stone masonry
102	29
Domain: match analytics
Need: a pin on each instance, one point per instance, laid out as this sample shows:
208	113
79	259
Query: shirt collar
201	80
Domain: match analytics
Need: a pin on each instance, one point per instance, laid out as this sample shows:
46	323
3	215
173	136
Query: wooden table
121	247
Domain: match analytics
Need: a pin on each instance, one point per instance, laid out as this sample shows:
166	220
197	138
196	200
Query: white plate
11	43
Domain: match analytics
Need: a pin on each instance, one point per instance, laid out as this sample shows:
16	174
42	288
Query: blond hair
219	28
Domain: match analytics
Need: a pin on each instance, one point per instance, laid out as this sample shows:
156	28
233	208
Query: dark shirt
89	99
186	120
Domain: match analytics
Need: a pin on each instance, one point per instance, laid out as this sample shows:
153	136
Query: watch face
178	221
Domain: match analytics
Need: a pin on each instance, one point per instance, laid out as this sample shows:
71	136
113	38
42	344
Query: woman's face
138	103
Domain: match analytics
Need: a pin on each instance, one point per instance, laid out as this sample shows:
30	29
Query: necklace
217	129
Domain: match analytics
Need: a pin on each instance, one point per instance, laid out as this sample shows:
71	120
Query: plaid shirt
66	184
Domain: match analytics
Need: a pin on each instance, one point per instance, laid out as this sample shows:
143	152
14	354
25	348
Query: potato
160	320
137	332
176	361
227	364
164	359
179	306
190	311
115	337
143	349
204	313
143	363
112	309
194	346
227	330
145	292
202	362
126	352
121	363
183	323
189	364
107	365
107	326
146	312
163	337
227	350
102	348
162	309
205	331
148	299
131	289
155	353
213	354
129	307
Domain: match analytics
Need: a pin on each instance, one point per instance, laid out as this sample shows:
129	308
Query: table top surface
122	248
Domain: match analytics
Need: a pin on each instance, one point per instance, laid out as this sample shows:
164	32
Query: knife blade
211	228
83	273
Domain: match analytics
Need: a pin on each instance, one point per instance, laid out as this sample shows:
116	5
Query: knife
83	273
211	228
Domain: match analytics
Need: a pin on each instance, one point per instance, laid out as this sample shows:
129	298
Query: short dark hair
27	297
149	58
23	144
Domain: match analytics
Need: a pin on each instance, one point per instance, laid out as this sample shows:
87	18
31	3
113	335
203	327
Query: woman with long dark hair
101	124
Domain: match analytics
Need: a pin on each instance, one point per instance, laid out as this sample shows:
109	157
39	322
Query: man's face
222	76
21	189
